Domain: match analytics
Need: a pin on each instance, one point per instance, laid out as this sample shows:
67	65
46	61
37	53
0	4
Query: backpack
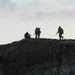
37	31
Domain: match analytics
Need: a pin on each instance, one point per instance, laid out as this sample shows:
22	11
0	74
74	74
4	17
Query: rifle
56	33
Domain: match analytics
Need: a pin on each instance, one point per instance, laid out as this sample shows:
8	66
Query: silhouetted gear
37	32
60	31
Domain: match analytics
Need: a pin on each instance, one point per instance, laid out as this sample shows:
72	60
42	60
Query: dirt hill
38	57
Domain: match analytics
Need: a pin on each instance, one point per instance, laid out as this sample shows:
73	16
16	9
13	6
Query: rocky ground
38	57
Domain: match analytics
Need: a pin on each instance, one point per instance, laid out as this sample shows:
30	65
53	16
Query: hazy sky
19	16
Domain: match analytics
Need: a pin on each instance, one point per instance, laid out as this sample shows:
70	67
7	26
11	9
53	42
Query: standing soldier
37	32
60	31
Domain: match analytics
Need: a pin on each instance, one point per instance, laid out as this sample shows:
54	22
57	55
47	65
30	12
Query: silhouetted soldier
27	35
60	31
37	32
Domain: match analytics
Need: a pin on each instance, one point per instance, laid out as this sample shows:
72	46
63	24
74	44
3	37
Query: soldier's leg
35	35
60	36
38	35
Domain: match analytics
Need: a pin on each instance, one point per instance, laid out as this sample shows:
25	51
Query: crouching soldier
27	35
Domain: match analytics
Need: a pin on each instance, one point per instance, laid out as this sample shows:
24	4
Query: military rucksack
37	31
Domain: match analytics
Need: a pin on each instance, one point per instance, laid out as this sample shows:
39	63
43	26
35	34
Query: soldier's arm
57	33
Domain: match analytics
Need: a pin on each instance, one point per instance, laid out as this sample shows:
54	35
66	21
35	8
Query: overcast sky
19	16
